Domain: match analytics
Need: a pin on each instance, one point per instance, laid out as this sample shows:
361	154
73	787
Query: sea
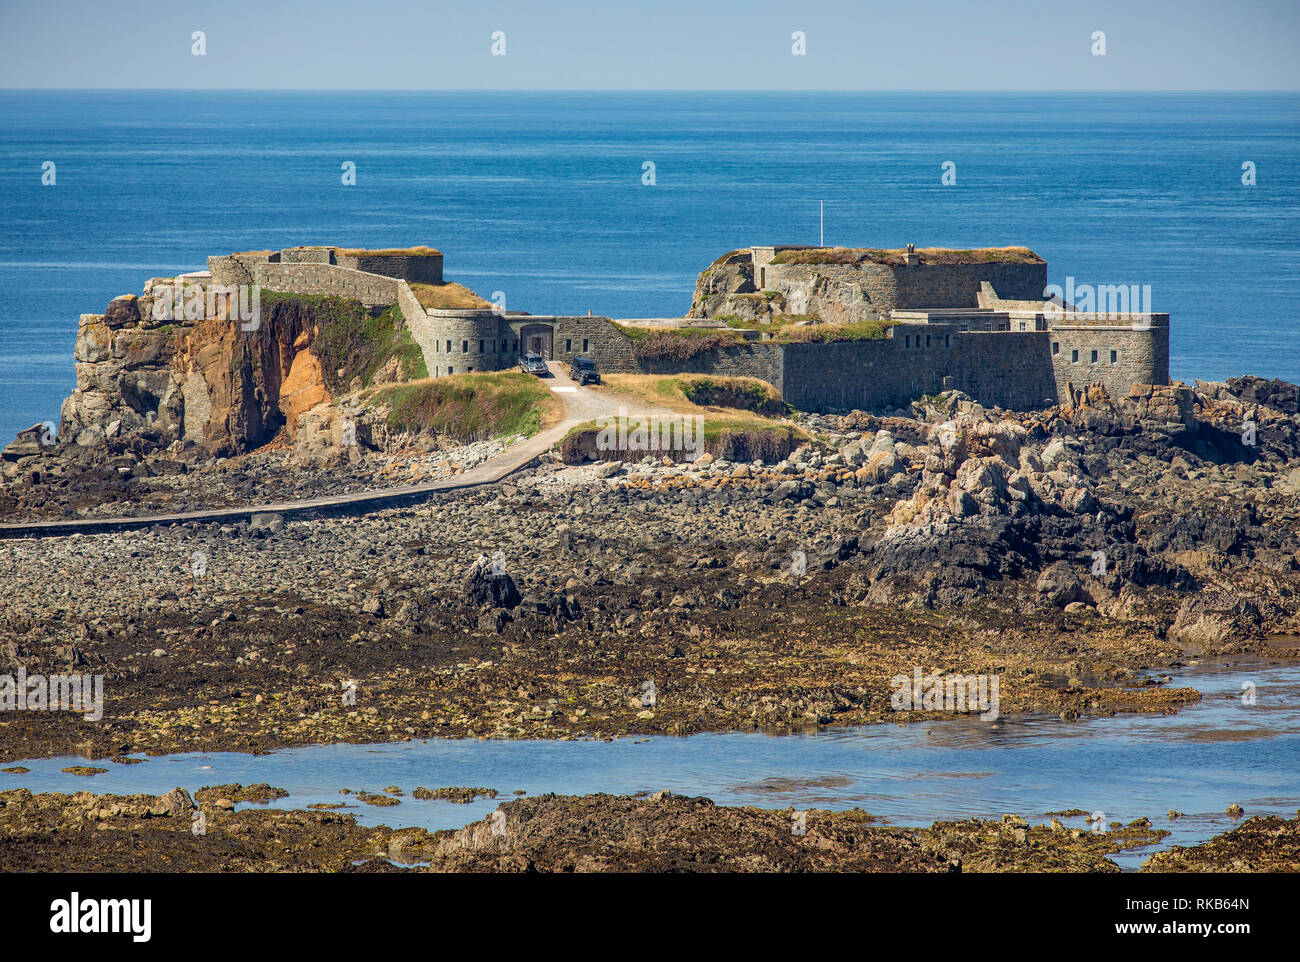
614	202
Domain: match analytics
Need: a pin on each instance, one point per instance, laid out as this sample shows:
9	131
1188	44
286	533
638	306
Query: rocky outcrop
726	287
328	435
486	587
187	375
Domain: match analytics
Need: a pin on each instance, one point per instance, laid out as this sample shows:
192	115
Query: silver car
533	364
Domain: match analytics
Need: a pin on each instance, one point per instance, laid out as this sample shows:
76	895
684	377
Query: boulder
122	312
265	523
483	589
174	803
1060	586
35	440
327	436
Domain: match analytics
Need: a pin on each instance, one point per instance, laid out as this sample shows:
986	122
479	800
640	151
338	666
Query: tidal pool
1198	762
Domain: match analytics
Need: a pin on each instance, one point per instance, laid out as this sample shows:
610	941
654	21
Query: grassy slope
675	393
470	407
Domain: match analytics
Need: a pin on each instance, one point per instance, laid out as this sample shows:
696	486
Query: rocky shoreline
1064	552
1070	555
662	832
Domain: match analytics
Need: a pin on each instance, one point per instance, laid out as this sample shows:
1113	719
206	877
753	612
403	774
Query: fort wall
464	342
417	268
1118	354
758	359
844	292
1010	358
371	290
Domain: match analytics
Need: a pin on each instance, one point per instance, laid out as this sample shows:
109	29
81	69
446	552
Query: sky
652	44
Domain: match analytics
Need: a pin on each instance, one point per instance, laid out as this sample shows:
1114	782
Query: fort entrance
537	339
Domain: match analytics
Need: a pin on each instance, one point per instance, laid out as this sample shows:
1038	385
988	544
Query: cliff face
123	362
201	379
153	382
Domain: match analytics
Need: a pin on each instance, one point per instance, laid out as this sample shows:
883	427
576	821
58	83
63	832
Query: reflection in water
1197	761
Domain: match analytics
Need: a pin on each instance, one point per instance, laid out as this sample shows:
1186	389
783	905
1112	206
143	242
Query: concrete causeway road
580	404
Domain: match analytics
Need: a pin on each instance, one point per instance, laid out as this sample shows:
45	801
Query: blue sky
653	45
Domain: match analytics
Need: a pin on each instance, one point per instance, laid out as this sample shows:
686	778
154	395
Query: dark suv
583	370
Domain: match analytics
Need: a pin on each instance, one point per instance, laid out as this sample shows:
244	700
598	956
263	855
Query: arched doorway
537	339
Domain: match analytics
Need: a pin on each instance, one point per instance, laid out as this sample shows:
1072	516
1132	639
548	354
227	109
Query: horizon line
655	90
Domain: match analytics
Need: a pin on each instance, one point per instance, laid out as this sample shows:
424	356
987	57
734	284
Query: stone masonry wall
421	268
307	255
958	285
1011	369
370	289
609	347
464	341
869	375
417	321
841	292
1141	355
752	359
1008	369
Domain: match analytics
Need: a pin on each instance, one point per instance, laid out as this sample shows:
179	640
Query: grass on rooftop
420	251
448	297
857	256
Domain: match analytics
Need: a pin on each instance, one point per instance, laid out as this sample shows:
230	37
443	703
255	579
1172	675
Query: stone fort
832	329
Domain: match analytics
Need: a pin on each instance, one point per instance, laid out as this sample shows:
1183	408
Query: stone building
977	321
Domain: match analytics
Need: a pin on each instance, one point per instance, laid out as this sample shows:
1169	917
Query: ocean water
540	196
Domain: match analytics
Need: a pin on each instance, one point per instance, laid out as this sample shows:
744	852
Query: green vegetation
468	407
448	297
857	256
777	321
346	337
734	439
747	394
834	333
809	329
677	343
708	390
727	256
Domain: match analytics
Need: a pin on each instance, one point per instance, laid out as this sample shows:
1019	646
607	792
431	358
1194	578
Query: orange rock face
303	389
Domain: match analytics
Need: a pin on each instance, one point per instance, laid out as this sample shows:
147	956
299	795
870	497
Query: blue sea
541	196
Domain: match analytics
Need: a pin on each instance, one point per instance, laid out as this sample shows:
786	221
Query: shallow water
1198	761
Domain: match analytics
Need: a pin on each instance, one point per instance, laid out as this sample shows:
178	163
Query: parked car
583	370
533	364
